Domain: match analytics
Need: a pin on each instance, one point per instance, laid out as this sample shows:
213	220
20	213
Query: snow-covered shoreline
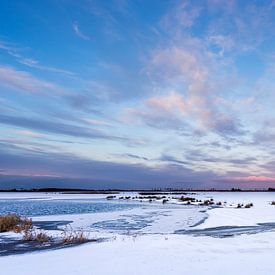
154	248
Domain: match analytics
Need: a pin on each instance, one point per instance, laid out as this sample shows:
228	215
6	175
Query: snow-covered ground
173	254
142	240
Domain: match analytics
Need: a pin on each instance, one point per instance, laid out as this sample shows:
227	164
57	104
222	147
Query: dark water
229	231
59	207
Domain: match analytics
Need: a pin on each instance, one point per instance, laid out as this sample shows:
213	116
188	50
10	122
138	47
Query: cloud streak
79	33
24	81
57	128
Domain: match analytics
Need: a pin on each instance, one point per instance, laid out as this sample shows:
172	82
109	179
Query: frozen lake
41	207
149	238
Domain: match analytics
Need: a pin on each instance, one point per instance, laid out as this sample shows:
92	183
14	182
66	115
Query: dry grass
19	224
14	223
37	236
74	237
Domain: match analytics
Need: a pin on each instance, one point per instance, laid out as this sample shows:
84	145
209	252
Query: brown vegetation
73	237
188	199
37	236
14	223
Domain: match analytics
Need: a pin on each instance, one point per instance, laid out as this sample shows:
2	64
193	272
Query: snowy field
141	237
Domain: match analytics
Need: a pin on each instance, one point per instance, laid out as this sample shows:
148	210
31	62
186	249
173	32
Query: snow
156	254
261	212
154	249
164	220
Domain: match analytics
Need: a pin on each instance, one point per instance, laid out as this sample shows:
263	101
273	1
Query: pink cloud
24	81
29	133
169	103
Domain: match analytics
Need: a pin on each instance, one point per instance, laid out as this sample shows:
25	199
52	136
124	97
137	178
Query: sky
137	94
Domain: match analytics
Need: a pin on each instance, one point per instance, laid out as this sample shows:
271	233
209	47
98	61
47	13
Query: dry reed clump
69	236
13	222
37	236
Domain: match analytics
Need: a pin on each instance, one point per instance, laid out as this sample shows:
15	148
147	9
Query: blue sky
137	94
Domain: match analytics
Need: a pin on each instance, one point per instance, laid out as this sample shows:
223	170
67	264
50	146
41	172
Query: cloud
253	179
176	112
197	62
163	112
15	52
57	128
35	64
199	156
196	76
66	170
28	169
78	32
168	158
181	17
28	133
135	156
24	81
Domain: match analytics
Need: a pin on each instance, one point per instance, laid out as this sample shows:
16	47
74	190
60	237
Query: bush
187	199
208	202
248	205
239	205
13	222
8	222
110	197
273	203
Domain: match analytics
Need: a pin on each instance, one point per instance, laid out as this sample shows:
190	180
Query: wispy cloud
28	133
24	81
79	33
16	52
57	128
35	64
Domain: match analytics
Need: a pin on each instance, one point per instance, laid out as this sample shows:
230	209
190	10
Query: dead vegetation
248	205
207	202
70	236
37	236
17	224
13	222
187	199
